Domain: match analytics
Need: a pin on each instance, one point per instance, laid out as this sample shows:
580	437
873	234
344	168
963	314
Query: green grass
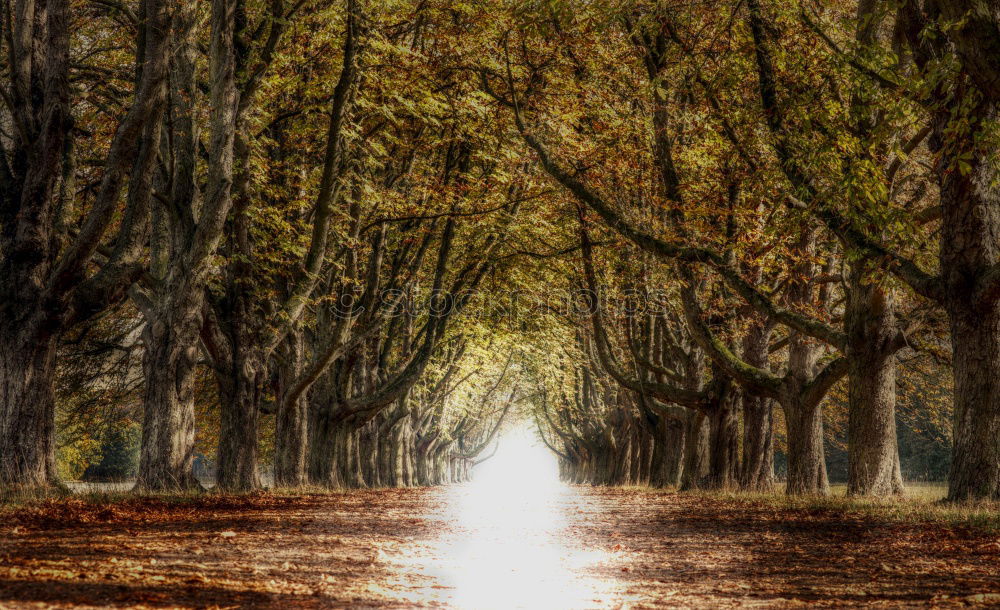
923	503
932	491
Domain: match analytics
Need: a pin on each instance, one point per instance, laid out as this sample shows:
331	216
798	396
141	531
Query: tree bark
27	412
167	455
239	414
174	307
873	455
326	442
291	425
970	245
668	451
724	444
695	468
45	287
975	467
806	459
757	470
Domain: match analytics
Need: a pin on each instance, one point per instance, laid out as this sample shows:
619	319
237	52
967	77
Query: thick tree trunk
407	453
167	456
585	470
695	468
423	460
970	252
668	452
658	453
291	424
393	449
806	460
388	474
621	459
291	443
975	467
239	414
441	464
724	444
873	456
606	462
27	412
325	447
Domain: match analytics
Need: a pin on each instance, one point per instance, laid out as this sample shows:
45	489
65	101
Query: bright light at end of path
521	465
511	547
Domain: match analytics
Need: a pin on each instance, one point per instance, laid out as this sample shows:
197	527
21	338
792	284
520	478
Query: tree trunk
806	460
407	453
370	450
758	444
291	425
975	467
644	454
352	472
873	456
27	412
325	447
621	459
970	250
393	451
695	451
724	444
171	338
421	460
390	473
757	472
239	414
668	449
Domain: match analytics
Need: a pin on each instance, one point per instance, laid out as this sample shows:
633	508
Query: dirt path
470	547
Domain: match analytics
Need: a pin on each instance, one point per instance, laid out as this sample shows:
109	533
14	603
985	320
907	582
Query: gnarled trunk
643	454
668	451
369	449
970	252
695	451
27	412
167	456
724	444
757	472
325	444
975	466
239	414
806	459
352	471
291	424
873	455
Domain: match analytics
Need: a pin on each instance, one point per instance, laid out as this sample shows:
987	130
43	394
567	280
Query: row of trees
780	171
309	213
289	205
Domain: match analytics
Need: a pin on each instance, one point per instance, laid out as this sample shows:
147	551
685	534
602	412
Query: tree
50	245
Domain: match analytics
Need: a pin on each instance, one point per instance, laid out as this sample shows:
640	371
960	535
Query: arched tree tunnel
499	303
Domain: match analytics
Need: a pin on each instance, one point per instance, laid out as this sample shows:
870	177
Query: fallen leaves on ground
338	550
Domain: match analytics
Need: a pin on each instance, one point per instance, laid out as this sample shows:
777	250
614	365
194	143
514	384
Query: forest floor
468	547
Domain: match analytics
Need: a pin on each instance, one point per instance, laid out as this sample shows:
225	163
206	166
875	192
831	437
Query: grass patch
923	503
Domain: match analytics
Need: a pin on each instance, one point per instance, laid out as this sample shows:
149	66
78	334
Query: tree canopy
697	245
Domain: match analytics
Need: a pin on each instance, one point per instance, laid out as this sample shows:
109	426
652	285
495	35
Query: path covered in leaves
473	547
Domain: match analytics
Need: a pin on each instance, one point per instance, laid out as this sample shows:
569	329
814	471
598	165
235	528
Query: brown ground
466	547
